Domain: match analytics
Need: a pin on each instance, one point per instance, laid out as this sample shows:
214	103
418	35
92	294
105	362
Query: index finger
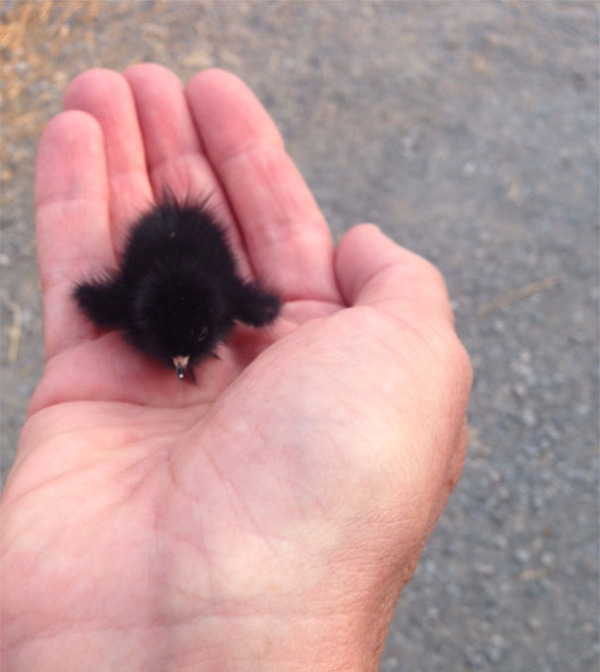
285	234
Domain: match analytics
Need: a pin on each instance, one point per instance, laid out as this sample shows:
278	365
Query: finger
287	239
174	156
106	96
72	225
373	270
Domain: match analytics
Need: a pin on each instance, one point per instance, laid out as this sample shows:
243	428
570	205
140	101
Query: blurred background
469	131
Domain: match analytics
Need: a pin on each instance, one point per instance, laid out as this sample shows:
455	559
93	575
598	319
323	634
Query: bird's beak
180	364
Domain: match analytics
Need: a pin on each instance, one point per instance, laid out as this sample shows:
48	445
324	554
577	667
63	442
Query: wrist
332	621
276	644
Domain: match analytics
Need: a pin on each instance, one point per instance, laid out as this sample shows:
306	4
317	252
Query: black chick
177	293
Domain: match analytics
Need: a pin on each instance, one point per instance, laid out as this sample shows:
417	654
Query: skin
267	518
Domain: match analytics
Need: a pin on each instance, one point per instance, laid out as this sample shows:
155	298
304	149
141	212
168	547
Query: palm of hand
138	502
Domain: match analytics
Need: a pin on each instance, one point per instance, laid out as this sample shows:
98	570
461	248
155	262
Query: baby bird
177	293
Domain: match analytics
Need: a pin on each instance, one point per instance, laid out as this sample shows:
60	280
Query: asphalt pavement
469	131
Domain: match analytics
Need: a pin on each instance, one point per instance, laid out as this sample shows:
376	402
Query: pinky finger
72	224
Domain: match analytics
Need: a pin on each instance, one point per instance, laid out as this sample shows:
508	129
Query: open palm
272	512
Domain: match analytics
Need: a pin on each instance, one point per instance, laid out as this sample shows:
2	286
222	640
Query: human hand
268	517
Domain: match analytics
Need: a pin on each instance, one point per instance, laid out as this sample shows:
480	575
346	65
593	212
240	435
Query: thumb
373	270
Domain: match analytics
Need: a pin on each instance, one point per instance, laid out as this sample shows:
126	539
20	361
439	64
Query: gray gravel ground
469	131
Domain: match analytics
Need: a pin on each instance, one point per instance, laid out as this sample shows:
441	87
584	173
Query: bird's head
180	316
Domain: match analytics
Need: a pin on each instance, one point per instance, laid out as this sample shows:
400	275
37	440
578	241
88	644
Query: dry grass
31	33
517	295
31	36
